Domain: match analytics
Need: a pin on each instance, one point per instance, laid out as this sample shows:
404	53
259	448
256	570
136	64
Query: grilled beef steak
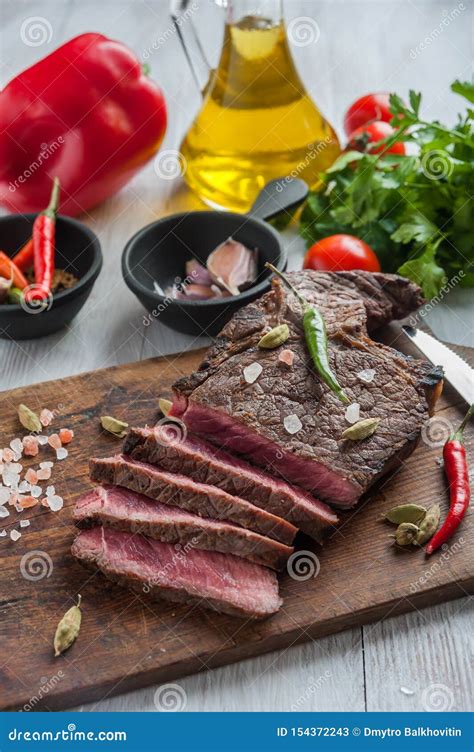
180	491
126	510
205	463
212	580
249	418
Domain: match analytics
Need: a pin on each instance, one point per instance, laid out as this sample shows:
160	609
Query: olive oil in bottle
257	121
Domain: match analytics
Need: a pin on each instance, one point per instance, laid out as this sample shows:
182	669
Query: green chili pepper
316	337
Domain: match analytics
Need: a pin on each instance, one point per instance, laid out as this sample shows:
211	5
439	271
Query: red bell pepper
87	114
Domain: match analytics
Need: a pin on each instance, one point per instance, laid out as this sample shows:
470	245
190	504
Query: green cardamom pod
406	533
429	525
406	513
68	629
275	337
112	425
29	419
361	430
165	406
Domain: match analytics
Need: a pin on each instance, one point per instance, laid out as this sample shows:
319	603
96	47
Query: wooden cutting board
128	642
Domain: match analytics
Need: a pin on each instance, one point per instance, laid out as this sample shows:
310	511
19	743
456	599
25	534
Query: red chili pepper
44	231
86	113
456	469
9	270
24	258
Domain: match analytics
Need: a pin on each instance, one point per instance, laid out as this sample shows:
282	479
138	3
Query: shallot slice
198	272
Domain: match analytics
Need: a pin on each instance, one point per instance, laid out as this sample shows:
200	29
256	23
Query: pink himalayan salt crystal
286	357
25	502
66	435
8	455
30	446
54	441
44	473
46	416
31	475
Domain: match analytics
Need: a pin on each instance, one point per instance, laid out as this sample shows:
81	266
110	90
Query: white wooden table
415	662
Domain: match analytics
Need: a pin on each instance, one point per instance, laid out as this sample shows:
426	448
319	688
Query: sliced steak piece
126	510
205	463
249	418
180	491
212	580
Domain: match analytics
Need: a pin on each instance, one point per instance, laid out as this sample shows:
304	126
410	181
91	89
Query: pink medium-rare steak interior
178	490
122	509
209	579
205	463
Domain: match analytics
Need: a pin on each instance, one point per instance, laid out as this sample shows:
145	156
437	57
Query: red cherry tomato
366	109
371	134
341	253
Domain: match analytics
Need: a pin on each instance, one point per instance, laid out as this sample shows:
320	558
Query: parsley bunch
415	211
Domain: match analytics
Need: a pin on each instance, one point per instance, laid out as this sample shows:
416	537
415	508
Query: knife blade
459	374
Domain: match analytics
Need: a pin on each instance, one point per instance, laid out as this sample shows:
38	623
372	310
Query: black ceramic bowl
77	251
159	253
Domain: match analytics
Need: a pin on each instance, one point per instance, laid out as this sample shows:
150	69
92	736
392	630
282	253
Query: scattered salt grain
24	523
31	475
24	487
44	465
367	375
11	479
30	446
50	491
252	372
286	357
43	473
42	440
8	455
55	503
46	416
440	461
407	691
36	491
54	441
26	502
3	534
352	413
5	494
15	467
15	535
61	453
4	512
66	435
292	424
16	445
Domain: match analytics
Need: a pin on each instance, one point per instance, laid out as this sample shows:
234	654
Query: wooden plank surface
367	664
126	641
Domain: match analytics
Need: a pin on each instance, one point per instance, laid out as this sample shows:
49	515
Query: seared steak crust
218	403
